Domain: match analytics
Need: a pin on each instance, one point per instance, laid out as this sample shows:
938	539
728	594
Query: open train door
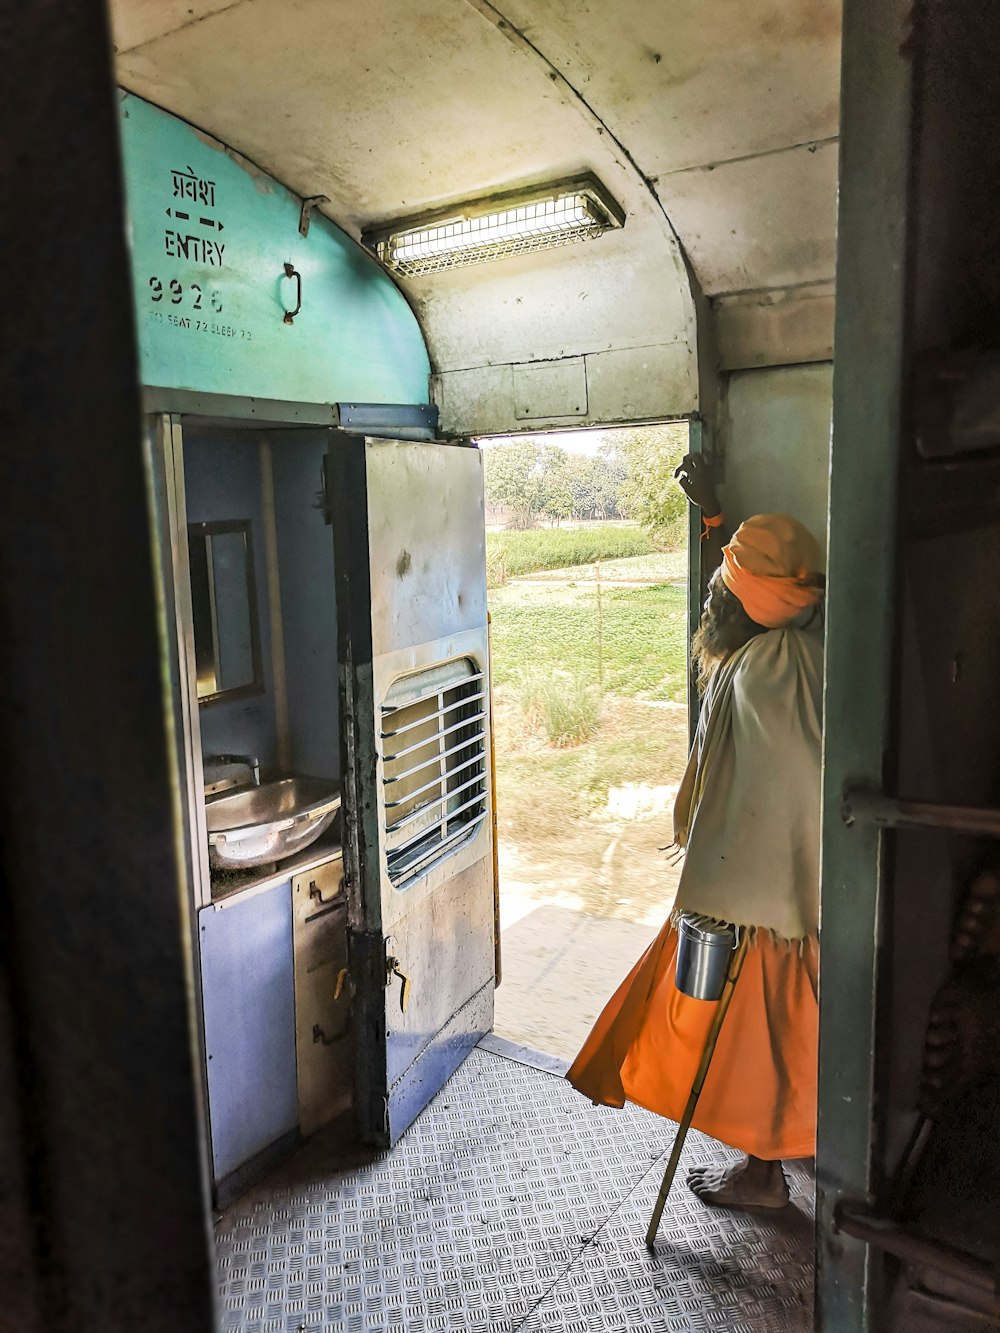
418	838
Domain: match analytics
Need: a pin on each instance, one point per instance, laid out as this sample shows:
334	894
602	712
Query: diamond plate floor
511	1206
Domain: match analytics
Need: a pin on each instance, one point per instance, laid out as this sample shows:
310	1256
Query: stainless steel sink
252	826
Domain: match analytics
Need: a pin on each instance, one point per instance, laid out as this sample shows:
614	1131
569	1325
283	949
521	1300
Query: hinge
323	495
305	214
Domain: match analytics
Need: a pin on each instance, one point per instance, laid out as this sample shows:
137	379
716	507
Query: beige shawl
748	808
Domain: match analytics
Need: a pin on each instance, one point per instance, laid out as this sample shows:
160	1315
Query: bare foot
750	1183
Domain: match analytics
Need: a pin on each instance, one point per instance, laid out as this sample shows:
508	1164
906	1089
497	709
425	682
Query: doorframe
165	467
697	436
868	412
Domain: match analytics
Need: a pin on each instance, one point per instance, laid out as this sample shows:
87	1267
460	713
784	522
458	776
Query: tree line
532	479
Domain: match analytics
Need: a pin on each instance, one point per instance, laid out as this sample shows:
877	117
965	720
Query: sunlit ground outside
585	884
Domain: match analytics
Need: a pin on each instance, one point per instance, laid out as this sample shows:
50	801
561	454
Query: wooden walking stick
735	967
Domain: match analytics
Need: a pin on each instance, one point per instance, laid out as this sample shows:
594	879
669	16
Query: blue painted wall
210	236
308	609
222	482
248	989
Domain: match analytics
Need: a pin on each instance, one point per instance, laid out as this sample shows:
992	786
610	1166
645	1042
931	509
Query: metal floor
511	1204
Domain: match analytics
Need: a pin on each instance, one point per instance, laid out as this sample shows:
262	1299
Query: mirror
224	610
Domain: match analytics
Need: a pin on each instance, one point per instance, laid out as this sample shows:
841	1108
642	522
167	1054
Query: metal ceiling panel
764	222
426	105
433	104
775	327
691	114
628	288
142	21
686	84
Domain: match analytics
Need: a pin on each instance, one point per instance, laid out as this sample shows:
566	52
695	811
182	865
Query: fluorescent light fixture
487	229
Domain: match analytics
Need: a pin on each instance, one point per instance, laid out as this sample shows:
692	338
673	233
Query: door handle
292	272
341	978
393	969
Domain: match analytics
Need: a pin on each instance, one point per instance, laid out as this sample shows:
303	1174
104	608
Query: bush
564	703
560	548
649	492
496	565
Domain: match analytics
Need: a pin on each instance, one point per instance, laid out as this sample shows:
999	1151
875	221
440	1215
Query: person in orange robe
747	815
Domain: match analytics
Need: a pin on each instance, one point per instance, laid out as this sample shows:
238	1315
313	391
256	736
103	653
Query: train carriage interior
278	269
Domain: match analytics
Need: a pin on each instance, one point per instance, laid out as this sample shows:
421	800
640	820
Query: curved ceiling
713	123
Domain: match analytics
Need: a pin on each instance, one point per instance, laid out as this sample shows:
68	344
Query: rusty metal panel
410	565
323	1041
644	383
775	328
777	444
428	554
547	389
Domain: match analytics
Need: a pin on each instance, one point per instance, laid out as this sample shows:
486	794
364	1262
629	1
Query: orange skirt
760	1092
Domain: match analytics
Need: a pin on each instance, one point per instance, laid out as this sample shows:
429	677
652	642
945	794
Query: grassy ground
592	815
660	567
548	794
584	884
511	554
633	640
584	829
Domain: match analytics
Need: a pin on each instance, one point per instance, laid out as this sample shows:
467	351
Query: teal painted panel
210	236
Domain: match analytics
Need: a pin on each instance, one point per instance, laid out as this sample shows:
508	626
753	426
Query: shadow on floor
560	968
510	1206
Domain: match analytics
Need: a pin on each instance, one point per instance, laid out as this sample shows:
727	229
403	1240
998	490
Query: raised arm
694	475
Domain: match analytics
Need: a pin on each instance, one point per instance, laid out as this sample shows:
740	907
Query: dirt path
584	884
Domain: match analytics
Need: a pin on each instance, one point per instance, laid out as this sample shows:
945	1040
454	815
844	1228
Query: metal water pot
704	951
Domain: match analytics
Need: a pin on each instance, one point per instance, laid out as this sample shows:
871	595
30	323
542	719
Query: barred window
433	738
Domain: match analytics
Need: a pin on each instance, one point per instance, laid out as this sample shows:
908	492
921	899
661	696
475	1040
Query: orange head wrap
771	565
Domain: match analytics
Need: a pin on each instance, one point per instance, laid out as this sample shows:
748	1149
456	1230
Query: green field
558	798
637	642
513	554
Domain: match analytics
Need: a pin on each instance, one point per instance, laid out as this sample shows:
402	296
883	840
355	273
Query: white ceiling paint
142	21
397	108
687	84
767	221
405	105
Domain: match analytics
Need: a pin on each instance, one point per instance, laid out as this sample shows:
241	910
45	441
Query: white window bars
434	764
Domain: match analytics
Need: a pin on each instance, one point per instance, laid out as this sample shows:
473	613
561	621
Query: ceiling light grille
476	233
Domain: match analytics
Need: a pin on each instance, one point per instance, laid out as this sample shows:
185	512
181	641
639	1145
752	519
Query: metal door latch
317	893
393	969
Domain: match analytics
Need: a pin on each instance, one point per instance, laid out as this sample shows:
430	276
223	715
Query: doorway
587	570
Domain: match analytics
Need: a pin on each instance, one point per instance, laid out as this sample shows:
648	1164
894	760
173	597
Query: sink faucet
250	760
